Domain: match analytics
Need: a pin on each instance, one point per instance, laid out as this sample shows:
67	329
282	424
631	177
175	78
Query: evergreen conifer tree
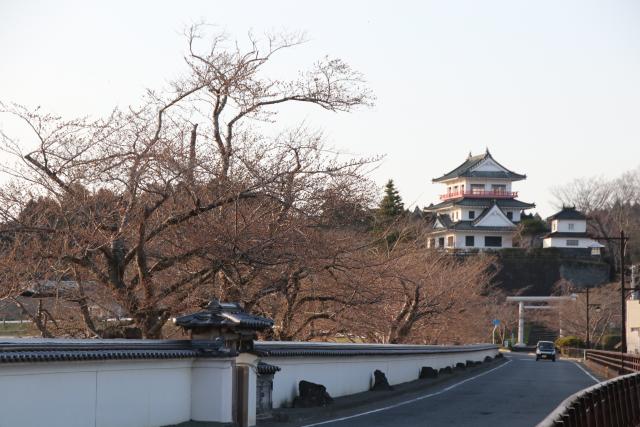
391	205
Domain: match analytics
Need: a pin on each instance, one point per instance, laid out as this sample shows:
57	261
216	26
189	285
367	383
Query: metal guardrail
624	363
611	403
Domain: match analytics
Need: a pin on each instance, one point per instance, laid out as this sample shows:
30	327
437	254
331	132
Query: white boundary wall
354	374
115	393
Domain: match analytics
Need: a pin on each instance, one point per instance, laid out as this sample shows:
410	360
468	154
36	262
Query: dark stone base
380	381
446	370
311	395
428	372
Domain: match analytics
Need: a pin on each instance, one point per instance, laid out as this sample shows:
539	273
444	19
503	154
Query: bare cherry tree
158	202
604	308
423	292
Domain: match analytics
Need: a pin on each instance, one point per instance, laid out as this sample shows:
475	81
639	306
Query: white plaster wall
633	341
349	375
452	214
451	186
487	184
516	214
507	240
561	242
145	394
47	397
633	326
579	225
211	390
113	393
436	236
460	240
465	213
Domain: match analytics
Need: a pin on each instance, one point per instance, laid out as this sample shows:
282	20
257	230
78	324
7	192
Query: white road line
406	402
586	372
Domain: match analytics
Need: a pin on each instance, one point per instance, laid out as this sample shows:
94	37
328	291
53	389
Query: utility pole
588	340
588	307
623	294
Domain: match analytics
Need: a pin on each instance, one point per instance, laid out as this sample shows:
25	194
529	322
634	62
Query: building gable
489	165
494	217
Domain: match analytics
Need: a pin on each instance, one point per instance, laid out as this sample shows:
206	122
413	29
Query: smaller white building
569	230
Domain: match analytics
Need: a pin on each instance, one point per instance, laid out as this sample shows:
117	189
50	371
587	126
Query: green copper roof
567	213
481	203
464	170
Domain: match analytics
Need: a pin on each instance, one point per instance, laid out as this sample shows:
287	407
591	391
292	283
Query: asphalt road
520	392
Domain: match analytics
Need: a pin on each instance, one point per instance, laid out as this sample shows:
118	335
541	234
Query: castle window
469	240
493	241
573	242
472	214
510	215
571	226
450	241
477	188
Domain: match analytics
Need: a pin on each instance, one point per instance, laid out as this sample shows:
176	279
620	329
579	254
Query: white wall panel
349	375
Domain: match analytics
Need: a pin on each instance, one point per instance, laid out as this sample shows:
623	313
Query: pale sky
551	87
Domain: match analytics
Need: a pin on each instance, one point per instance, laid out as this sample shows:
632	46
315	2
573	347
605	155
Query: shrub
609	342
569	341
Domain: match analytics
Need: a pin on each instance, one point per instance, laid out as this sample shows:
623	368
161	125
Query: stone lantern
225	321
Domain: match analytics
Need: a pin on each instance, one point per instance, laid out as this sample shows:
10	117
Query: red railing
498	194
